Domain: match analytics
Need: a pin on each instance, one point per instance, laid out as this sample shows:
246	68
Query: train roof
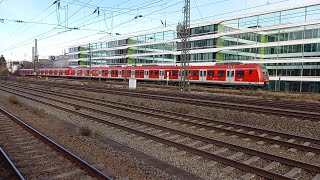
176	67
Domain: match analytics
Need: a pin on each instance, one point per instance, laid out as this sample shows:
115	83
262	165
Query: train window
201	73
174	73
112	71
232	73
204	73
195	73
141	73
250	71
210	73
151	73
240	74
220	73
129	72
156	73
228	74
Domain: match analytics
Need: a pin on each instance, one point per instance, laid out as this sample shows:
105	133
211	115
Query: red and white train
253	75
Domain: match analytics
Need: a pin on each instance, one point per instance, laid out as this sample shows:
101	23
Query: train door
161	75
146	74
230	75
203	75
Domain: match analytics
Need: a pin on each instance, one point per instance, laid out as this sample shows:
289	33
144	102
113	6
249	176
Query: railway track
7	168
272	137
213	150
306	112
311	107
38	157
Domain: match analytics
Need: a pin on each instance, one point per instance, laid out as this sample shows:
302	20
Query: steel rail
233	132
69	155
312	107
311	116
13	169
219	158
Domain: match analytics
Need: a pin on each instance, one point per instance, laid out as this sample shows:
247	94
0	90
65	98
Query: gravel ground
118	164
276	123
277	96
294	126
201	173
162	152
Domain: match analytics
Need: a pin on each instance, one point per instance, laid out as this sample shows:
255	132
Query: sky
76	22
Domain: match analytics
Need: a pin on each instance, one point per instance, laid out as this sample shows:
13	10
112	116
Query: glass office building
286	41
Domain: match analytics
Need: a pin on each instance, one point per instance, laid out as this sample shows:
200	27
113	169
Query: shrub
13	99
77	107
142	103
84	131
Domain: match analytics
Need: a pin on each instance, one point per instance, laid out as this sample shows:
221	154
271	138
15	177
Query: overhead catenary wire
31	39
28	41
46	33
33	18
213	15
205	17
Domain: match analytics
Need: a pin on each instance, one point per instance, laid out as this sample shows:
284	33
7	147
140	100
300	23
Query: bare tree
3	66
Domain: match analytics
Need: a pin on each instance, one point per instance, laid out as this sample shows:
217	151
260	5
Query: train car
221	74
55	72
26	72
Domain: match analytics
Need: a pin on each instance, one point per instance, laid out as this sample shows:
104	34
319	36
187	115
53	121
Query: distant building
55	62
286	41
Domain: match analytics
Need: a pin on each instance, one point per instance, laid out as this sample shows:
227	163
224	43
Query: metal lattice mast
185	37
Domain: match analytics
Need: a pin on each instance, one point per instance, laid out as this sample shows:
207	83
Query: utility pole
184	31
90	72
33	60
35	56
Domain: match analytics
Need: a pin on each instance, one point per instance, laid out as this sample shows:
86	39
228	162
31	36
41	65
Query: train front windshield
265	71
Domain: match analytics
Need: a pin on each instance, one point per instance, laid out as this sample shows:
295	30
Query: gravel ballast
187	161
116	163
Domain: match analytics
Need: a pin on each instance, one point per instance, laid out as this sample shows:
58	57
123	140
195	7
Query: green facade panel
131	61
263	39
82	48
131	41
220	28
82	63
82	56
131	51
219	56
220	42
